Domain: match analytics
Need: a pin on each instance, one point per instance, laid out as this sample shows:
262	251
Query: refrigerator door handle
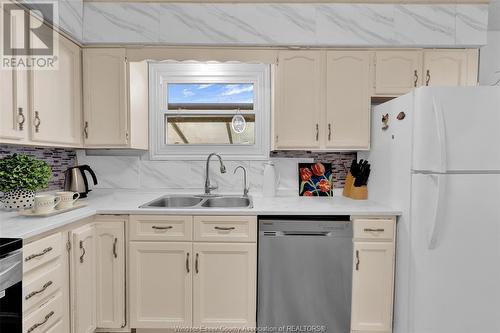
437	221
441	134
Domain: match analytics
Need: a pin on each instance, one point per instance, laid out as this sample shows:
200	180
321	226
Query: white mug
45	203
67	199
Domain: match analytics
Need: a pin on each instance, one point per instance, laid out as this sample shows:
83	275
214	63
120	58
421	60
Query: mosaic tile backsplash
58	158
341	161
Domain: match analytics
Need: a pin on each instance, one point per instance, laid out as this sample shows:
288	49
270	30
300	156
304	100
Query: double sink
199	202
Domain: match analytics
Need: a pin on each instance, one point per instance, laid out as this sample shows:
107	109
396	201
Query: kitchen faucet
245	186
208	186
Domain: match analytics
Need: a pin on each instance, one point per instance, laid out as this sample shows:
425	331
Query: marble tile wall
489	65
58	158
138	172
286	24
70	18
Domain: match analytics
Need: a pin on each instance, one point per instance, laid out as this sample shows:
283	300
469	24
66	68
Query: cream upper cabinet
160	284
105	97
12	119
115	100
397	71
348	91
224	284
298	100
83	279
110	271
450	67
56	99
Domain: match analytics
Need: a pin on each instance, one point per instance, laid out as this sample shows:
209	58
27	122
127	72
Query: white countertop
128	202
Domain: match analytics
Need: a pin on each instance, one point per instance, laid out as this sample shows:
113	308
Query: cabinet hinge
68	246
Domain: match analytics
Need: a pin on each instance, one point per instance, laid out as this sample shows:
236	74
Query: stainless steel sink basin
199	202
173	202
227	202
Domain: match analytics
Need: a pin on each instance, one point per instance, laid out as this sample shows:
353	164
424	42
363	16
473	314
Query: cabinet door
348	91
299	103
160	284
397	72
10	121
445	68
224	284
105	98
110	265
372	286
83	280
56	99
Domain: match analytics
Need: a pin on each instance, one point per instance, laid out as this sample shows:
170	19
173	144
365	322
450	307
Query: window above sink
197	108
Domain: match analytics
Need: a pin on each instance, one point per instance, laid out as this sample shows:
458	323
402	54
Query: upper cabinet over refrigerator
456	129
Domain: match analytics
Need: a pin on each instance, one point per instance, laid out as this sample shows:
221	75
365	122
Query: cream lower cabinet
161	284
110	272
98	275
186	283
224	284
83	279
46	286
373	275
56	100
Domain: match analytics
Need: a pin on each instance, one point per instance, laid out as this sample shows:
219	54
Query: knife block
349	183
359	193
353	192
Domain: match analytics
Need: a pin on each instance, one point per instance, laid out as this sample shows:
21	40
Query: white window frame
162	73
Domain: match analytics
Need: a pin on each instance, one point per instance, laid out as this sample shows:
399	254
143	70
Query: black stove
11	287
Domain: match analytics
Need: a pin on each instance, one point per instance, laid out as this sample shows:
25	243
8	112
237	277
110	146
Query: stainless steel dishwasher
305	274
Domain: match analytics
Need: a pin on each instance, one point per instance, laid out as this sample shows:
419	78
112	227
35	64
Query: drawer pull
162	228
373	230
187	262
224	228
35	326
36	292
357	260
36	255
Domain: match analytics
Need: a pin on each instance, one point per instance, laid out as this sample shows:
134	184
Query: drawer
374	229
41	287
161	227
225	228
42	251
45	316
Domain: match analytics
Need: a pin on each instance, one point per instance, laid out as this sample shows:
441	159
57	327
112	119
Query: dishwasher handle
306	233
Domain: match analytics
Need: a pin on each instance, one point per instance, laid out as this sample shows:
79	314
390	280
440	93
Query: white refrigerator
438	160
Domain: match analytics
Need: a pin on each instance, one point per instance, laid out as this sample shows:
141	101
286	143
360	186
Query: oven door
11	292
